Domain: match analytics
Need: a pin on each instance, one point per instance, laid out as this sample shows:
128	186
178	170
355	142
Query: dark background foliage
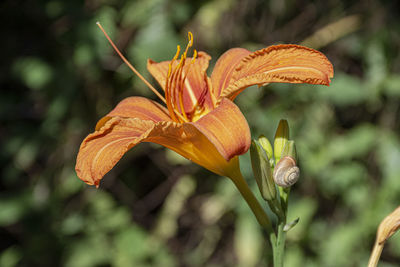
58	76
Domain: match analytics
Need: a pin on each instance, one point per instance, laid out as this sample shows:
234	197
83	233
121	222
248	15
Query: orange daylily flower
200	120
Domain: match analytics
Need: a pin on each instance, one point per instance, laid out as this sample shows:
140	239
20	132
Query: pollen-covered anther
175	83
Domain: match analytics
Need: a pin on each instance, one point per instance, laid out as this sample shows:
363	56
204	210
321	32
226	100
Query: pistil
130	65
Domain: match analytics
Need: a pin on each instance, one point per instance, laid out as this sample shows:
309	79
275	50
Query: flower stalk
251	200
274	179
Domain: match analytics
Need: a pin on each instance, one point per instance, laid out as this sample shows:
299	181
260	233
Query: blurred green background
58	76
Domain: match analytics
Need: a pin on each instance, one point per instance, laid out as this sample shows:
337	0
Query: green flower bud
290	150
266	145
281	138
262	171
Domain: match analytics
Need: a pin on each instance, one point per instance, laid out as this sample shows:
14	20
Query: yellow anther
178	51
190	37
194	56
175	82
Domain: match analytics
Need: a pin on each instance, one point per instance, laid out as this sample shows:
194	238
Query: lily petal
137	107
224	68
191	143
212	142
101	150
279	63
227	129
195	84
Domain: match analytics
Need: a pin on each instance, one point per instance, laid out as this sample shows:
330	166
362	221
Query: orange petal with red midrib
280	63
227	129
137	107
224	68
101	150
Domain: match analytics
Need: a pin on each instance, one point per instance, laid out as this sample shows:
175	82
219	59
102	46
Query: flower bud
281	138
266	145
290	150
262	171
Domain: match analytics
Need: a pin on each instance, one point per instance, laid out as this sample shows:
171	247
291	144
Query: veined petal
213	141
280	63
188	141
195	85
159	70
101	150
227	129
137	107
224	68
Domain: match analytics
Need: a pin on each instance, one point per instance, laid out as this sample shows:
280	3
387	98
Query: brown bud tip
389	226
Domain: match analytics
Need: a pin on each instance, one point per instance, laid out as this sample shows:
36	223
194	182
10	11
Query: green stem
277	239
279	247
251	200
284	194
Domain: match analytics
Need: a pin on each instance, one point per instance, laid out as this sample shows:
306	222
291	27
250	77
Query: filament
130	65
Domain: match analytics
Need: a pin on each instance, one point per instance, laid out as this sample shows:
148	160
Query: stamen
175	83
178	51
172	88
194	56
190	37
182	82
179	82
176	89
168	86
169	89
180	88
129	64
